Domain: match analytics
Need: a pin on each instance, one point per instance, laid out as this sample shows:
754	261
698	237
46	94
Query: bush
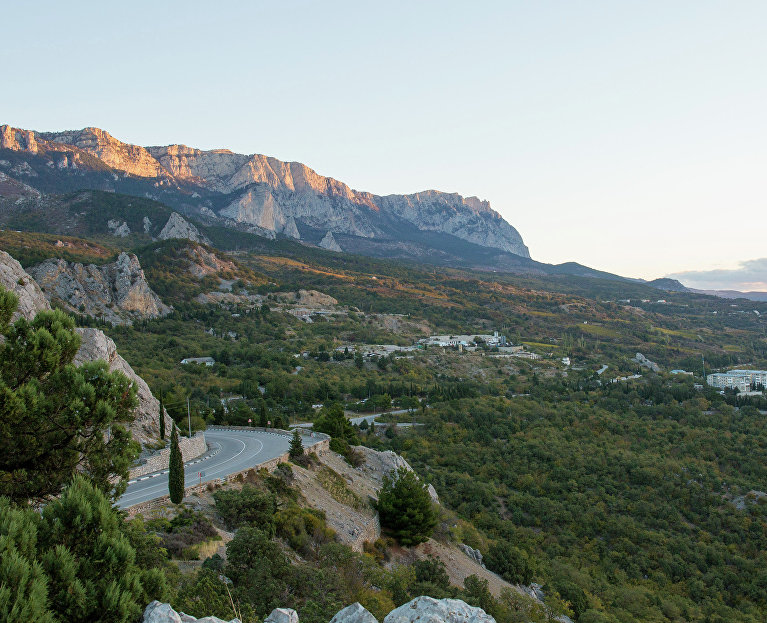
249	506
509	562
304	529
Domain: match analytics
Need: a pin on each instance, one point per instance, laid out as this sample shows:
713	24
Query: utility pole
189	416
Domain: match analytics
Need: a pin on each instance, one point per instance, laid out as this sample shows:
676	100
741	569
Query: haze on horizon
630	138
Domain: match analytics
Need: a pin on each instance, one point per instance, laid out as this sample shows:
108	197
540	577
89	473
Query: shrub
509	562
249	506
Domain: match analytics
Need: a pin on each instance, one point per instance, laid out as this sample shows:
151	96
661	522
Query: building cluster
448	341
742	380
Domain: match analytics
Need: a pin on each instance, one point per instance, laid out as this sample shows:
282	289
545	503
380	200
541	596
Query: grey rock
472	553
96	345
178	227
329	243
430	610
282	615
117	292
14	278
147	225
118	228
291	229
355	613
645	362
157	612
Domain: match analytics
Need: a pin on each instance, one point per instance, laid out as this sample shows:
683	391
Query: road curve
229	451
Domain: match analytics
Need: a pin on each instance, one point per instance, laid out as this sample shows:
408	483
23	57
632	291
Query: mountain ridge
264	192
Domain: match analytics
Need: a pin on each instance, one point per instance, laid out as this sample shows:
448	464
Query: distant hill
734	294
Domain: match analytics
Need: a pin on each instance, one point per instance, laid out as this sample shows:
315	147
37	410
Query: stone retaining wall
191	447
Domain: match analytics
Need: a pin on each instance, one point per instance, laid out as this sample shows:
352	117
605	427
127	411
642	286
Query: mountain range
252	192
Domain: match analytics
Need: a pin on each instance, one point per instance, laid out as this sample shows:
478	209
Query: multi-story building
742	380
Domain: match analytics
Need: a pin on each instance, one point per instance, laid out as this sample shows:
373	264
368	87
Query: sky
627	136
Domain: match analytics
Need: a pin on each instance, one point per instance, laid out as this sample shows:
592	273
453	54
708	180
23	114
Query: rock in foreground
157	612
430	610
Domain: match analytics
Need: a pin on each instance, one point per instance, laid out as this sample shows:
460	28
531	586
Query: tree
405	507
296	445
509	562
175	469
263	420
74	562
249	506
58	419
162	421
333	422
358	360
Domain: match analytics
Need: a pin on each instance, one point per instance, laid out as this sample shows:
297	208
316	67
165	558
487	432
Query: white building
208	361
738	379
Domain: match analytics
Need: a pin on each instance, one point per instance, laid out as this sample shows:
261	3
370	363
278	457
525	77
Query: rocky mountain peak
178	227
271	195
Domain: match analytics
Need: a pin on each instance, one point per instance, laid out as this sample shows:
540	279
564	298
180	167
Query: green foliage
74	562
296	445
175	469
509	562
304	529
259	569
247	507
58	419
333	422
405	508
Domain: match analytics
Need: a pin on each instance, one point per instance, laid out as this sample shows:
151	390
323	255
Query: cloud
749	276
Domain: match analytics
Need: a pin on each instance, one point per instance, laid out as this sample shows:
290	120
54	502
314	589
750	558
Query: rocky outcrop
472	553
430	610
329	243
355	613
645	362
117	292
272	195
203	263
14	278
379	464
157	612
118	228
178	227
94	345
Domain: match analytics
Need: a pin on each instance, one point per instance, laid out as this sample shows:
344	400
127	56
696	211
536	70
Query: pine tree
56	419
296	446
263	420
405	508
175	470
162	420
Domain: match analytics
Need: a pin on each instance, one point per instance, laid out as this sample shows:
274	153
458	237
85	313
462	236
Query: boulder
430	610
472	553
379	464
282	615
355	613
157	612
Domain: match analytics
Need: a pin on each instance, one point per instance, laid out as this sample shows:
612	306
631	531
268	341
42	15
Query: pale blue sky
629	136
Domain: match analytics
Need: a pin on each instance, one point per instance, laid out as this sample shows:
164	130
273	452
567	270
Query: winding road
229	451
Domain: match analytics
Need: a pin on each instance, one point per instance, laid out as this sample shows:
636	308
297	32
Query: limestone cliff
94	345
272	195
178	227
117	292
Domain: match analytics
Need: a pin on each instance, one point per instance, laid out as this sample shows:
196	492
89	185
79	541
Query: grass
335	485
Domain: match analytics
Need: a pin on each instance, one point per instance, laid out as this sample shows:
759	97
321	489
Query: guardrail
273	431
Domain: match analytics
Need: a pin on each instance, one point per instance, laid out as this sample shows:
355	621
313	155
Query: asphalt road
229	452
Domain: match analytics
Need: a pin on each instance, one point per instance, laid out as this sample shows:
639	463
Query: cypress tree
296	446
263	420
176	470
162	421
